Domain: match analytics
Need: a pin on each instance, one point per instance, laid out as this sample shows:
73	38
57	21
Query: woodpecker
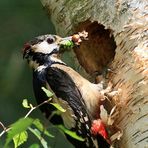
79	97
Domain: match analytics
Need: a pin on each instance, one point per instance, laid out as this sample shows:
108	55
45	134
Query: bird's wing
70	98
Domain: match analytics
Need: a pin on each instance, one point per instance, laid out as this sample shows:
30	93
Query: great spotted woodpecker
77	95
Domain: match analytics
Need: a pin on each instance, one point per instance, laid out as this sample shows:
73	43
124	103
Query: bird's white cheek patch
44	47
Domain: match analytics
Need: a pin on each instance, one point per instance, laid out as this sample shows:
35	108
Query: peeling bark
118	39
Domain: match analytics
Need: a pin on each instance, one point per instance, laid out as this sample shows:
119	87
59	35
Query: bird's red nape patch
26	47
98	127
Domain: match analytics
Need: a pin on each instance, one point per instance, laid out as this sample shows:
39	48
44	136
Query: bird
78	96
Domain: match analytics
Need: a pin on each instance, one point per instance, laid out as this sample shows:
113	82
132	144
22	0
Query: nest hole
98	51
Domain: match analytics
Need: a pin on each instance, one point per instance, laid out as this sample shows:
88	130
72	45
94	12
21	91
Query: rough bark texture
118	37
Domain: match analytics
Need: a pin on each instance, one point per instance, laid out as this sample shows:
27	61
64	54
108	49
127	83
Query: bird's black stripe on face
39	57
43	59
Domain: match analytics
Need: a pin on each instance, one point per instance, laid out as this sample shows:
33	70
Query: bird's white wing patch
68	116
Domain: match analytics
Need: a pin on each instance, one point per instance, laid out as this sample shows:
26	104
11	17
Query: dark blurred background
20	21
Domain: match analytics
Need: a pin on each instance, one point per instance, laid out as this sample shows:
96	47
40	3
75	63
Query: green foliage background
20	21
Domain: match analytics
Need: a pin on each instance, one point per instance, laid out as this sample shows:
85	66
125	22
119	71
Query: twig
5	129
35	107
2	125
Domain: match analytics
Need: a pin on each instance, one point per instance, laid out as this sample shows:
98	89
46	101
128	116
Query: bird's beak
65	40
71	41
69	38
66	44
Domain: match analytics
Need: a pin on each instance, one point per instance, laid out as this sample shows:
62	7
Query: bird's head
45	49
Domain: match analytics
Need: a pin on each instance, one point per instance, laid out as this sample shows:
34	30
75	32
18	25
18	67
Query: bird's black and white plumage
76	95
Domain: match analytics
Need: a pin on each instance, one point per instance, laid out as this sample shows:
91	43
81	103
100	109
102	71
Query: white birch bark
128	20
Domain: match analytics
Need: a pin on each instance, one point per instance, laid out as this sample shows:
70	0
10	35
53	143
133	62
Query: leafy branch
18	130
25	104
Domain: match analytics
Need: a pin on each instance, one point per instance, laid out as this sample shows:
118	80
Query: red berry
75	38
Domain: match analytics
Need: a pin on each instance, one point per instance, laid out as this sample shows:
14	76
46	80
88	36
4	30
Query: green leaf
19	139
67	44
38	134
58	106
40	126
48	93
70	133
26	104
18	127
35	145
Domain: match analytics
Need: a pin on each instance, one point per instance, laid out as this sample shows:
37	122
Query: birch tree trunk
118	38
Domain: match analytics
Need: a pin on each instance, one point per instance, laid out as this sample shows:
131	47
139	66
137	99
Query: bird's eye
50	40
